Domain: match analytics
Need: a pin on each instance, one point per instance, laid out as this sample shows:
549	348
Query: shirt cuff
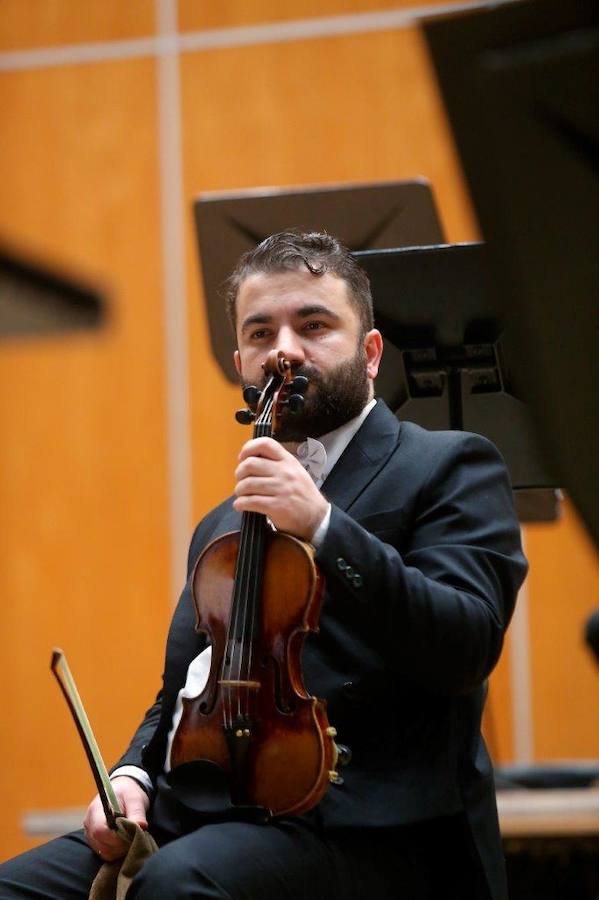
321	532
139	775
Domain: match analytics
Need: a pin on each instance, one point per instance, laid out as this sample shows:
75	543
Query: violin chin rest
202	788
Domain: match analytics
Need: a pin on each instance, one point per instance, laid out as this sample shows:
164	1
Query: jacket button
350	690
349	573
357	580
341	564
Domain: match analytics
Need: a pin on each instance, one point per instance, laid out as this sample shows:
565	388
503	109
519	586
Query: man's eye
314	326
259	334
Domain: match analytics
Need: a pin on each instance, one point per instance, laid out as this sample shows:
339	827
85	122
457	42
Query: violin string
247	556
229	659
229	656
246	564
231	653
259	539
256	539
266	430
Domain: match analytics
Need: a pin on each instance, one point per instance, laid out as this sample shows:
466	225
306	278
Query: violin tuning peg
245	416
295	403
251	395
299	384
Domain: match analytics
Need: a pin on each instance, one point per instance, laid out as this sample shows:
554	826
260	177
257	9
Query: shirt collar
336	441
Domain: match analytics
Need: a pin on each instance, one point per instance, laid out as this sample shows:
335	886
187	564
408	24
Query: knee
169	874
7	881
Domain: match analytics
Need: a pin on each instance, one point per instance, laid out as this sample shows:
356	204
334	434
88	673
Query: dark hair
319	253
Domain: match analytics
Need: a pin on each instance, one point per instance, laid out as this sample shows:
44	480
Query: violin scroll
287	391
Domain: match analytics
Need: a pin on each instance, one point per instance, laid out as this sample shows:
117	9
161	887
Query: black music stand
362	216
34	300
521	85
448	355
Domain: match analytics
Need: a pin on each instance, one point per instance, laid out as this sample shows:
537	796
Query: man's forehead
294	284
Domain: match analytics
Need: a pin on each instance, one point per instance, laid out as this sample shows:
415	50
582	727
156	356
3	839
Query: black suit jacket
422	561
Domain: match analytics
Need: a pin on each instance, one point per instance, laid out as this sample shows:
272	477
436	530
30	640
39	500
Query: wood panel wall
86	472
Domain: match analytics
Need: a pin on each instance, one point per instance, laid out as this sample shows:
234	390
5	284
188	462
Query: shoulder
206	528
413	438
440	445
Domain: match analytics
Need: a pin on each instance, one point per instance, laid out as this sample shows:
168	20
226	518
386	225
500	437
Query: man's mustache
309	372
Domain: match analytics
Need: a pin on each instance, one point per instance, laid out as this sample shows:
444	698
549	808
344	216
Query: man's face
313	322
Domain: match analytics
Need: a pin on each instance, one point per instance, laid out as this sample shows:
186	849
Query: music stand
34	300
362	216
521	85
448	353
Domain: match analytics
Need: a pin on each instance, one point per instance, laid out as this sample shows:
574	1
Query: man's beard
331	400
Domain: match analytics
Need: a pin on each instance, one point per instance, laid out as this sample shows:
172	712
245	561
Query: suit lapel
363	457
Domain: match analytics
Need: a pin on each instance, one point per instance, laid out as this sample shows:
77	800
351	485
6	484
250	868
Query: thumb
136	812
133	799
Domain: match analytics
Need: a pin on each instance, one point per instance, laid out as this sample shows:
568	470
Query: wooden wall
97	433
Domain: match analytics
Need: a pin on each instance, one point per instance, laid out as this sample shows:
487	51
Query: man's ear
373	348
237	361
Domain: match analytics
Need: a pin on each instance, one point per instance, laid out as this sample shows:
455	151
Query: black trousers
285	860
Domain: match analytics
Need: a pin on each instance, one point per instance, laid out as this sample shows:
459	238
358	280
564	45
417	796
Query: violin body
254	718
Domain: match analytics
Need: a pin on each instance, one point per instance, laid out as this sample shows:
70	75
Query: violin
257	595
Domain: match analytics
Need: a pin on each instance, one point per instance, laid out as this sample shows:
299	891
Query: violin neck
248	573
253	523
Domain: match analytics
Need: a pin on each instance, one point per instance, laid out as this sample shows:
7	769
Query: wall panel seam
235	36
172	227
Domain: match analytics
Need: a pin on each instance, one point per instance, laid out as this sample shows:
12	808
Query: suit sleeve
438	609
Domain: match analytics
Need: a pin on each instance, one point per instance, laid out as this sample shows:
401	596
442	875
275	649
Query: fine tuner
295	401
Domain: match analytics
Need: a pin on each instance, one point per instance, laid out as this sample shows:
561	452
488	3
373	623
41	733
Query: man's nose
292	346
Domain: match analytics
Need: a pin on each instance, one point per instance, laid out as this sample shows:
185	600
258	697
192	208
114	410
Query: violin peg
251	395
295	403
245	416
299	384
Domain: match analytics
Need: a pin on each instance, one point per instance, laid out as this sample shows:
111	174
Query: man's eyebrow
316	309
256	319
304	312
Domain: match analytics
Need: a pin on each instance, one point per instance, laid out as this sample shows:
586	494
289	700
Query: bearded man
416	536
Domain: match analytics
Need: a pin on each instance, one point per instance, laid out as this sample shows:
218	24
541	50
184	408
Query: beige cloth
113	878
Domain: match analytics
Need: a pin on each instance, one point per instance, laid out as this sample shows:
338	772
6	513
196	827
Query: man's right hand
134	803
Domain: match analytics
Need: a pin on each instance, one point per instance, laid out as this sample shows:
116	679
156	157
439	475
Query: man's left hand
271	481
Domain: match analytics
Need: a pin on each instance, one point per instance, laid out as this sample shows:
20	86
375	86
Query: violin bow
62	672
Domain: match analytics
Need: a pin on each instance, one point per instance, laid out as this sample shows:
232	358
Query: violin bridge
231	682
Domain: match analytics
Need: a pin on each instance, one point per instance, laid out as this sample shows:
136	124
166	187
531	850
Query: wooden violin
257	594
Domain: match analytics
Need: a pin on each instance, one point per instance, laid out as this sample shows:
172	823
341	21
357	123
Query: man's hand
270	480
134	803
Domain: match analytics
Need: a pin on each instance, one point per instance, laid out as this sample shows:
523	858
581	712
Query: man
416	536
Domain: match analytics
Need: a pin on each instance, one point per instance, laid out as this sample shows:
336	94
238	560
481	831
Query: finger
105	842
136	811
108	851
263	446
260	503
95	818
255	465
259	487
